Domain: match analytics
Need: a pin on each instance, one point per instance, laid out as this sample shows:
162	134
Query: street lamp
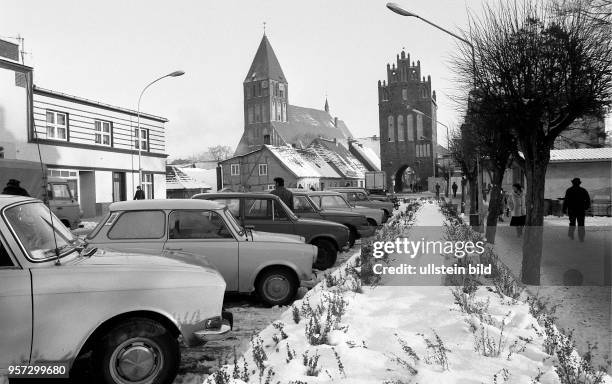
172	74
400	11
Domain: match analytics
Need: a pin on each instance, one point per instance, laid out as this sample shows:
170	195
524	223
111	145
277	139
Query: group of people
575	204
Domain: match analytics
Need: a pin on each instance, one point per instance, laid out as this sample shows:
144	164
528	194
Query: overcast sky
108	50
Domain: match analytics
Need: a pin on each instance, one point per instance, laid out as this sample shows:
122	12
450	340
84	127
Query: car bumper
218	330
366	231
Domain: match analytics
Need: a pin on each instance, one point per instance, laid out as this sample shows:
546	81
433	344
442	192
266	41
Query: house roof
265	65
319	164
293	161
581	154
176	179
339	158
202	175
366	155
306	124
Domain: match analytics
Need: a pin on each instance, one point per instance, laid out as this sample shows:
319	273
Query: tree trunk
535	172
473	195
495	201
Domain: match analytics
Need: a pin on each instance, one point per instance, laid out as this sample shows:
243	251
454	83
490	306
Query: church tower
408	128
265	98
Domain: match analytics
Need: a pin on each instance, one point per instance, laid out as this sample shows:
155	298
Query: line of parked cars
153	273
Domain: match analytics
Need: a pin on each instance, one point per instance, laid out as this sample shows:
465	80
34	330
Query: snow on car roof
135	205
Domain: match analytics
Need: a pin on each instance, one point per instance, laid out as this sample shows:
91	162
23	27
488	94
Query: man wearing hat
575	204
13	188
285	195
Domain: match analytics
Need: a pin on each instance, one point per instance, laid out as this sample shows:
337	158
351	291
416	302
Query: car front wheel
277	286
138	351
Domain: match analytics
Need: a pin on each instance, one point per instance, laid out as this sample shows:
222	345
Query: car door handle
60	208
174	249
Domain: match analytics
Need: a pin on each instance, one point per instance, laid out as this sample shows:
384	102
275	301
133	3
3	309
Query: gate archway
404	177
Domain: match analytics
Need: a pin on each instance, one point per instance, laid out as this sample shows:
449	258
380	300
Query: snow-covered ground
399	334
594	221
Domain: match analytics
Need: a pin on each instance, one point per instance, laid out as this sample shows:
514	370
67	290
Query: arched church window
400	128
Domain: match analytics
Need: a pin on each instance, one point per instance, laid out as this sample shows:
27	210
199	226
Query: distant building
269	119
93	145
587	132
180	184
407	118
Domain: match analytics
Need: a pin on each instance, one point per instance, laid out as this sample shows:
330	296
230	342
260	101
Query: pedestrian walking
13	188
517	207
454	187
437	191
576	202
139	195
283	193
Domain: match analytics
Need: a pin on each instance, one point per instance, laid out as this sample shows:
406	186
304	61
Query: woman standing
517	206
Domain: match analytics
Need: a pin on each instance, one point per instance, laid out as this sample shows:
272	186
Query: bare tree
541	64
462	149
220	152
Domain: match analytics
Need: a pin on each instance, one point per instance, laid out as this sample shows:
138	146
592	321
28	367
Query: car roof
351	189
203	196
315	193
10	199
135	205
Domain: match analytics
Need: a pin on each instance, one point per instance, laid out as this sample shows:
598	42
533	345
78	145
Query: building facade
408	125
91	144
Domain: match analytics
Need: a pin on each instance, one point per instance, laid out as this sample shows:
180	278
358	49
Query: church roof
307	124
265	64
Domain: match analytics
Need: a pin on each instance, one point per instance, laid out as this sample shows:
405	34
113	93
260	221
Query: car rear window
139	225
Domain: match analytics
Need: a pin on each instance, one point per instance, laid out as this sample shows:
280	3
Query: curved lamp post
403	12
172	74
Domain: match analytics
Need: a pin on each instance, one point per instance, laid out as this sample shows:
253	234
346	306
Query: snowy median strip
343	332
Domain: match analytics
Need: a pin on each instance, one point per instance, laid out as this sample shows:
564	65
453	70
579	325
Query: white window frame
138	140
101	134
147	185
54	127
263	169
235	169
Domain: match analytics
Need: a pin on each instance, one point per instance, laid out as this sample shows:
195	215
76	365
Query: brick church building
408	128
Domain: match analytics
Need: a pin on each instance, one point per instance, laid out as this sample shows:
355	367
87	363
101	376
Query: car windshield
233	222
31	222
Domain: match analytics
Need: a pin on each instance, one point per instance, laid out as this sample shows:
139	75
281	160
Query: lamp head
176	73
399	10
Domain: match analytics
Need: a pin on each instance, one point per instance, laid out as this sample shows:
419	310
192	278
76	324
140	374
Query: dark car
266	212
359	197
357	223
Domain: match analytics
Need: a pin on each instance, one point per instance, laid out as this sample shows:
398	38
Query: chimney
336	122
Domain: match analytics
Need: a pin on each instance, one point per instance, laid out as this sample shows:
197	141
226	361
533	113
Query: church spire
326	105
265	64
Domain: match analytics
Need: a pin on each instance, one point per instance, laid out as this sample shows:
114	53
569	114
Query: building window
405	94
235	169
400	128
273	111
141	140
57	126
281	90
248	91
263	169
391	132
419	125
284	116
266	139
257	113
147	185
103	132
410	126
250	114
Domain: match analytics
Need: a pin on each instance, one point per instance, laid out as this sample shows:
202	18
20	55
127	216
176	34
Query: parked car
334	200
272	265
359	197
356	222
60	301
266	212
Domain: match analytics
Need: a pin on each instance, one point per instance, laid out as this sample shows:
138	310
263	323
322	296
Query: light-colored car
336	201
62	302
270	264
360	197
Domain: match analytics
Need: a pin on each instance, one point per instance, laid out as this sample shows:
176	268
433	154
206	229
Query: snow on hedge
342	332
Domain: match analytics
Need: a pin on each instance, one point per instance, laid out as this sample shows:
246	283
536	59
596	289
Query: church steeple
265	65
326	105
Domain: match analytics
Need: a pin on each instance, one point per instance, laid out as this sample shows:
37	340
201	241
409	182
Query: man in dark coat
13	188
285	195
139	195
575	204
455	186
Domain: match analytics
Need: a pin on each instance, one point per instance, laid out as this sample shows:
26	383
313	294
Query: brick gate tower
407	118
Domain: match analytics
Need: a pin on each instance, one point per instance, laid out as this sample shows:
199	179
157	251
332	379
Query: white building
92	144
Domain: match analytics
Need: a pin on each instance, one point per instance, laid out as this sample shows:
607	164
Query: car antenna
43	174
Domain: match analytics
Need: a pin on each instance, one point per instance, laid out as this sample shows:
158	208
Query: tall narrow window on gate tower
391	132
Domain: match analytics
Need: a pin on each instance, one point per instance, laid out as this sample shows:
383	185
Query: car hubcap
136	361
277	288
